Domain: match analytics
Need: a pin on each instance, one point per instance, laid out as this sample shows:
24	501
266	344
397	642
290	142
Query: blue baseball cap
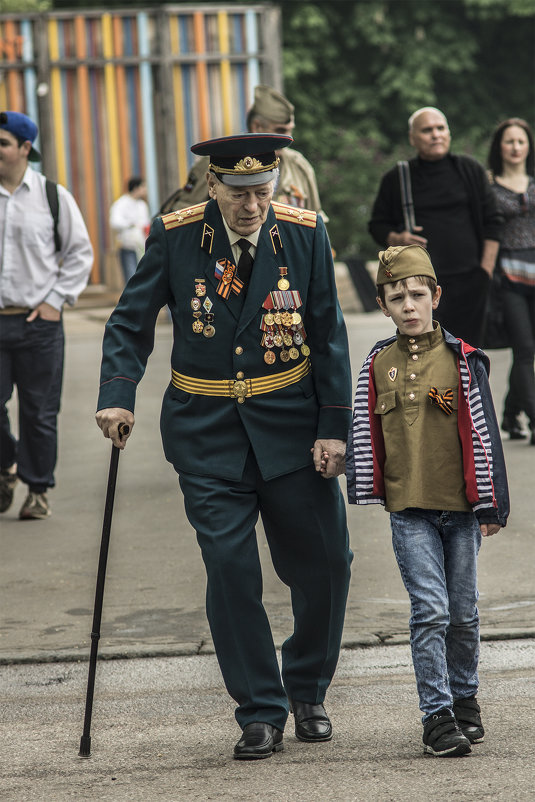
23	128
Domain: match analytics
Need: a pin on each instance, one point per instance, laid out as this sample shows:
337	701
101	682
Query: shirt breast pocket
385	403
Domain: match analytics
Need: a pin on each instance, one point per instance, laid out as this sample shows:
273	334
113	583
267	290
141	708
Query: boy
425	443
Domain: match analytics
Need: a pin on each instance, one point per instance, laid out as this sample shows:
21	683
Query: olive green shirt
423	466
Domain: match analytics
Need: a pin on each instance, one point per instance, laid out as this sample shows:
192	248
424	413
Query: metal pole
85	741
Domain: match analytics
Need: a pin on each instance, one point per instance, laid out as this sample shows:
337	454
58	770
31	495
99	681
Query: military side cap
273	106
23	128
245	159
403	261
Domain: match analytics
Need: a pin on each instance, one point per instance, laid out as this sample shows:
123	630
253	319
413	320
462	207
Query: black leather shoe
258	740
311	722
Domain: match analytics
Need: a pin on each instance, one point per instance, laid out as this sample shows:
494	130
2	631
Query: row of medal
200	307
281	323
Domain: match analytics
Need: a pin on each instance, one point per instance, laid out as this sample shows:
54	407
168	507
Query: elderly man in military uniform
270	113
254	421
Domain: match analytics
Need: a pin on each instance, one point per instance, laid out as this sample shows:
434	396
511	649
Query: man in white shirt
42	267
130	220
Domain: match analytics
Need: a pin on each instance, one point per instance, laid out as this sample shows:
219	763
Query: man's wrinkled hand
109	419
329	457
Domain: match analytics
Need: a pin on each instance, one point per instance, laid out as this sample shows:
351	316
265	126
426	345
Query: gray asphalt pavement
164	723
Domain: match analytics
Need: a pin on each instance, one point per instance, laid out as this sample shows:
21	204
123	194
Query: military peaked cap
245	159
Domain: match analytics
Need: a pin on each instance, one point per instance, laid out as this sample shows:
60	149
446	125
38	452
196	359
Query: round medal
277	318
197	326
195	304
305	350
287	339
298	338
287	319
269	319
285	355
296	318
269	341
269	357
294	353
283	284
278	341
209	331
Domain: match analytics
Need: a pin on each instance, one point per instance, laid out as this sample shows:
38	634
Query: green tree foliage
357	70
23	6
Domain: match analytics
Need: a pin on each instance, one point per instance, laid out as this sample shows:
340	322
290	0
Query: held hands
109	419
406	238
329	457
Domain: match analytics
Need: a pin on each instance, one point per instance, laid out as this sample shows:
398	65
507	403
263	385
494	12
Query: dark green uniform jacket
211	436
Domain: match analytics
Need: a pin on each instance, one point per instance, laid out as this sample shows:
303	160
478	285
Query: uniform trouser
305	524
31	357
519	310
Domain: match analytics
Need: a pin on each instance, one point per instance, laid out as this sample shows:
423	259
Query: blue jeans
437	557
128	260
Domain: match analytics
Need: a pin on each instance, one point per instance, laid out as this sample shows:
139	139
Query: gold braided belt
240	388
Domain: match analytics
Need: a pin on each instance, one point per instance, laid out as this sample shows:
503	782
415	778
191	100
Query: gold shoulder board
291	214
191	214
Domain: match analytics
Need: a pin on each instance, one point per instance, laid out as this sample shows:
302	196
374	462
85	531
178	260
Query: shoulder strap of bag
53	202
406	195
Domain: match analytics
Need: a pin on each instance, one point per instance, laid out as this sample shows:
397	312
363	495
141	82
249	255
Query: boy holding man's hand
425	443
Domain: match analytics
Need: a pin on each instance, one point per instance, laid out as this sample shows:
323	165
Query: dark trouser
519	311
31	357
128	260
305	523
463	305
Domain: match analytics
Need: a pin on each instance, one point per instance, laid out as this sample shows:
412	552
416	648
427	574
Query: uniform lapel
220	249
265	271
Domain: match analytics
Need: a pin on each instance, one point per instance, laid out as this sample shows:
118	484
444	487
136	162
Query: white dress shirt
129	219
234	237
31	272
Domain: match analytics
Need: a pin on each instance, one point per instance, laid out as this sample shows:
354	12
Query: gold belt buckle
239	391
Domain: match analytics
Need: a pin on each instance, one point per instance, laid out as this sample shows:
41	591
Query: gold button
412	340
412	376
239	375
414	347
239	350
415	357
411	396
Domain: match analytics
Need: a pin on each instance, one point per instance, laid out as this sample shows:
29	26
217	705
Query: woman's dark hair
495	161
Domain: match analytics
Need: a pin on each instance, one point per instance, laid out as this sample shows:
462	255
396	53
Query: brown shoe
35	507
7	489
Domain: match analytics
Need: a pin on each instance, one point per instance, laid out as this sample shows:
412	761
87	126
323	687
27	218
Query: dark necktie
245	263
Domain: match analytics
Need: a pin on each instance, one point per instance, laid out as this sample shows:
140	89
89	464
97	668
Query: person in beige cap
270	113
425	443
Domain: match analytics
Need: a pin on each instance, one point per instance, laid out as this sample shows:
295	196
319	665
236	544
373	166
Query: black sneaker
443	738
467	714
7	489
512	425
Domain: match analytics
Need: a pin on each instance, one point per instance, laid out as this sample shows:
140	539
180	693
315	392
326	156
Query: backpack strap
406	195
53	202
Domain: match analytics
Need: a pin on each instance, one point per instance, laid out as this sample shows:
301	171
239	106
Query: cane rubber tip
85	746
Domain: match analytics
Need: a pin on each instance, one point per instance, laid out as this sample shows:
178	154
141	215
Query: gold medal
296	318
269	319
277	340
269	357
285	356
209	331
305	350
294	353
287	339
277	318
287	319
283	284
197	326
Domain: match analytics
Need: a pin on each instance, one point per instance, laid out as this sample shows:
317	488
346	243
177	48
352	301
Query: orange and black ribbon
442	400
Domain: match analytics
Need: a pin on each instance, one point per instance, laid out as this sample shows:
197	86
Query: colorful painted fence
128	92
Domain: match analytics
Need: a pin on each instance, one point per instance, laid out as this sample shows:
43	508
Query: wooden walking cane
85	741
